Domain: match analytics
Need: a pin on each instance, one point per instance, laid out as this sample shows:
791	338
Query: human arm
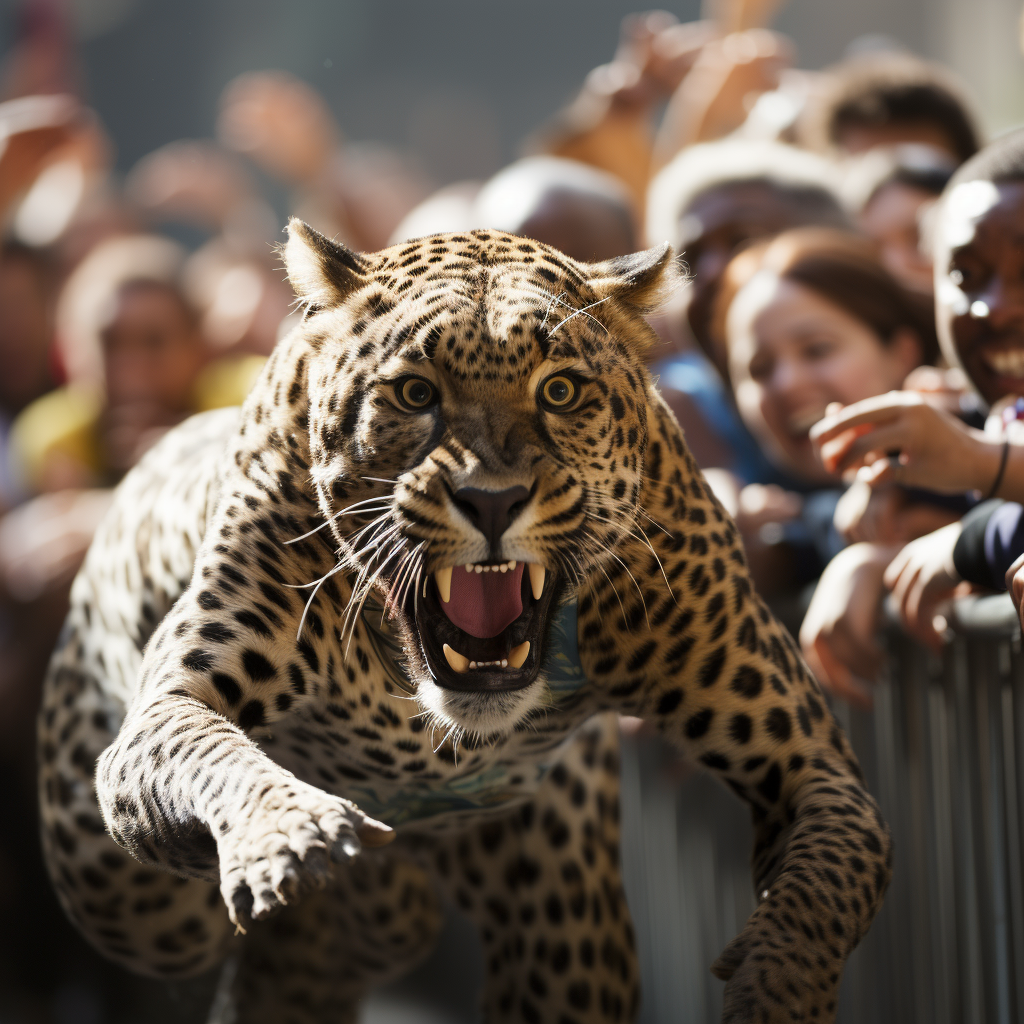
280	122
838	634
890	514
714	98
1015	585
936	450
609	123
32	129
991	539
922	577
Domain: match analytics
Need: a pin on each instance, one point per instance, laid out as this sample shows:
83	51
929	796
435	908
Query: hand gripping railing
943	752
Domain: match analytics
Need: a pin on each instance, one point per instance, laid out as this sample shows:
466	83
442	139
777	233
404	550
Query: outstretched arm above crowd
610	123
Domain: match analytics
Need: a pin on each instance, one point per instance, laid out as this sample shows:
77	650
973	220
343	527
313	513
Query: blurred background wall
457	82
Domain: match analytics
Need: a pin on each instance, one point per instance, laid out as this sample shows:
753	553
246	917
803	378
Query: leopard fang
457	661
517	655
537	574
444	583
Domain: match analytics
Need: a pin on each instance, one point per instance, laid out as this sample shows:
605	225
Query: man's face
152	352
892	217
979	284
713	229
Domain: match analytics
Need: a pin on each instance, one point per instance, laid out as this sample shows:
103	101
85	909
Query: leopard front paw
774	978
282	843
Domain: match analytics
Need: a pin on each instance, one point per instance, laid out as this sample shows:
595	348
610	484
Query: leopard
357	652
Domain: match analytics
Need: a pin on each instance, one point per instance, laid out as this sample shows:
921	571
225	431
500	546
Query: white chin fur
482	714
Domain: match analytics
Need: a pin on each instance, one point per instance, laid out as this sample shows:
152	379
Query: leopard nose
491	512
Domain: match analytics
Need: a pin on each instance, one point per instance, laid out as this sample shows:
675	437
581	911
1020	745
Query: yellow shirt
57	435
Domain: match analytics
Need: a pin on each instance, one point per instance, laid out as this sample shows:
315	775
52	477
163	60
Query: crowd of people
846	357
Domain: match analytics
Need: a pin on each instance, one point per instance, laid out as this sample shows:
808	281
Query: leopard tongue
484	604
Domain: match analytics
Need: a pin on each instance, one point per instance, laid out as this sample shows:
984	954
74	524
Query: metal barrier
943	753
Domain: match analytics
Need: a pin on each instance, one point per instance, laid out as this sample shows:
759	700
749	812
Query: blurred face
26	331
587	228
892	218
979	284
716	225
791	353
152	353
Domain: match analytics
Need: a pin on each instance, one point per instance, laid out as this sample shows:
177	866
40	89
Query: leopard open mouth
483	627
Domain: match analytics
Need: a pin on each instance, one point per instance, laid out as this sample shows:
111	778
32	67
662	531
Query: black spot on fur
697	725
771	785
216	632
251	715
740	727
227	687
712	668
779	724
257	668
747	682
197	660
670	701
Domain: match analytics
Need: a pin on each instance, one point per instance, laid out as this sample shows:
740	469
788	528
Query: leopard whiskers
615	591
413	581
309	601
339	567
363	588
654	522
606	550
406	573
569	563
635	584
382	538
645	540
387	506
578	312
455	731
636	531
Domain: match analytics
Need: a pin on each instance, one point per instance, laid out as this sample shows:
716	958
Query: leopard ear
642	280
322	272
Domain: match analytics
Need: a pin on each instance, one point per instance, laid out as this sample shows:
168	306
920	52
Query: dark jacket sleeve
991	540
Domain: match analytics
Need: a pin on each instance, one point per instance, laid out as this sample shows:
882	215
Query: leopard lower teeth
460	663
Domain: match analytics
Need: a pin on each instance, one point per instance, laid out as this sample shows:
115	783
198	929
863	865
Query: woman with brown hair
809	318
801	321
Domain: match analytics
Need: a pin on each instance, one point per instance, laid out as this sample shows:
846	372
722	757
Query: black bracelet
1002	471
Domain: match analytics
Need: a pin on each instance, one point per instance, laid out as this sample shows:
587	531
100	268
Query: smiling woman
808	319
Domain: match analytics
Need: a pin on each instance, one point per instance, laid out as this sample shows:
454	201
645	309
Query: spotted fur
222	720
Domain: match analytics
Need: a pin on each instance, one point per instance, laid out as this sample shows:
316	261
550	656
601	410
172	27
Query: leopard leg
149	921
314	961
543	885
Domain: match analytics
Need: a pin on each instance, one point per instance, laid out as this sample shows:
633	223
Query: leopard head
478	419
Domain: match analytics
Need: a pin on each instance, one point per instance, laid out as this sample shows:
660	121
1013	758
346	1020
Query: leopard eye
415	393
558	392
